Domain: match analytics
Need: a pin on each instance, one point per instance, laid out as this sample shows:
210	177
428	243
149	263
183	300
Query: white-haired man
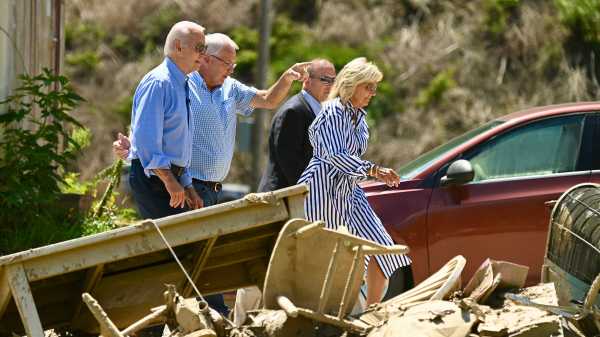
215	100
160	128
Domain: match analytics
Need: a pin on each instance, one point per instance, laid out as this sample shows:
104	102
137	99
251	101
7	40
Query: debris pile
313	298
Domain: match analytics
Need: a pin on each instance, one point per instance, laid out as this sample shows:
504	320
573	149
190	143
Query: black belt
177	170
213	185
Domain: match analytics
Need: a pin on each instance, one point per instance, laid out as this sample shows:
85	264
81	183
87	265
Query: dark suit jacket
289	147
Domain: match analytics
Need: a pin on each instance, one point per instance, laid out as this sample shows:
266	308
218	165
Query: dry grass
526	66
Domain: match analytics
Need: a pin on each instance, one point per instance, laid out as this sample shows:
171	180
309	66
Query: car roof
511	120
549	110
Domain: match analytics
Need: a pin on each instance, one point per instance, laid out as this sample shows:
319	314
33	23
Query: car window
545	147
411	169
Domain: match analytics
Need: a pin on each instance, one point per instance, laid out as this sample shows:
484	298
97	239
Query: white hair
180	31
216	41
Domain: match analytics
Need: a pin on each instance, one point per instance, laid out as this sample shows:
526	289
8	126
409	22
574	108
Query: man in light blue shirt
160	128
215	100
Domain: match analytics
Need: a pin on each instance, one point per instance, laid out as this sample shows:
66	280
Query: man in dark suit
289	147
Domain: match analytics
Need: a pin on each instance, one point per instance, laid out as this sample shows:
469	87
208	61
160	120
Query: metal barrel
574	232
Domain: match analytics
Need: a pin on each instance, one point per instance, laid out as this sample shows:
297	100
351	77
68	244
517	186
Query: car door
594	157
503	213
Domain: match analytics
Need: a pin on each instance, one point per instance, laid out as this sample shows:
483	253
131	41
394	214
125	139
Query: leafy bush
582	17
35	147
497	15
39	140
155	27
83	63
434	92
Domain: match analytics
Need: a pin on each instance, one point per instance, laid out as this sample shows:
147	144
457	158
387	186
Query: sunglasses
325	79
371	87
201	47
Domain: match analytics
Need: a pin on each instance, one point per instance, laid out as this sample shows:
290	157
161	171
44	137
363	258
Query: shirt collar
351	107
175	71
315	105
196	75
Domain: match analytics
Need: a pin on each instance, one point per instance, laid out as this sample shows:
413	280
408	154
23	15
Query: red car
489	192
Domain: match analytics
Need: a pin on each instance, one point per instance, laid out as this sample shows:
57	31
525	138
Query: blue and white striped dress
339	136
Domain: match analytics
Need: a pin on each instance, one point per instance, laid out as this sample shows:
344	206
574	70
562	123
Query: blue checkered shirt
214	120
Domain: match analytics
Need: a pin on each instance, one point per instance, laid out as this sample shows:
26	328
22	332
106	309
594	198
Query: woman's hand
388	176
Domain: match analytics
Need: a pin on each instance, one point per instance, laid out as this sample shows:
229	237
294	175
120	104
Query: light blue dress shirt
160	131
314	104
214	120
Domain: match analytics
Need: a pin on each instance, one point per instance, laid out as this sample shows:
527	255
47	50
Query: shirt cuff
157	162
186	178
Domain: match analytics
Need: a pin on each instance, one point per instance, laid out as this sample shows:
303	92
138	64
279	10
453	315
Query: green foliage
247	56
123	107
83	35
497	15
434	92
39	201
582	20
384	104
582	17
300	10
83	63
125	45
35	132
155	27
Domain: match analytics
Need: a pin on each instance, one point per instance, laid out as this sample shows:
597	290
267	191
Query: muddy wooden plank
19	286
92	278
141	239
5	294
199	263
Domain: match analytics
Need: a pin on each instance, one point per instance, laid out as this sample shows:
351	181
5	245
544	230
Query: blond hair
355	72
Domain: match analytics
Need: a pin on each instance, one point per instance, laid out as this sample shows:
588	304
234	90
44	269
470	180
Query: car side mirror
459	172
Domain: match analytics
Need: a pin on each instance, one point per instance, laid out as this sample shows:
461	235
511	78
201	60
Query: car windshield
411	169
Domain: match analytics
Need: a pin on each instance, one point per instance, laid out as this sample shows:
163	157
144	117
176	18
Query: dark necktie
187	99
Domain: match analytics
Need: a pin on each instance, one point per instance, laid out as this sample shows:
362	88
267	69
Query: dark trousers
400	281
150	194
152	200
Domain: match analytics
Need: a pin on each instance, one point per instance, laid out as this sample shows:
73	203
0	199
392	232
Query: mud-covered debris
429	319
513	319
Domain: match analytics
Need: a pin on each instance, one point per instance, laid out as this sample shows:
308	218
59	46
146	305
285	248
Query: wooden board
125	269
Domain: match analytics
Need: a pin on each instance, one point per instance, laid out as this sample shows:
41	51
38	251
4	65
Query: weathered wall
31	38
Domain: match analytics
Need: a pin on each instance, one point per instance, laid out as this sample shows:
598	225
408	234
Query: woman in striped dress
339	136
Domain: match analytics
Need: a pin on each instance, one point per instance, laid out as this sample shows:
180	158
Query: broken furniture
316	272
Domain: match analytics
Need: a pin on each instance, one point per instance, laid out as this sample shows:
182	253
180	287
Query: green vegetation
32	157
40	141
498	14
449	65
582	17
434	92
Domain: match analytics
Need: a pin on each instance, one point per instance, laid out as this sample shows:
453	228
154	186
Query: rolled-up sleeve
186	178
331	140
147	127
243	96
